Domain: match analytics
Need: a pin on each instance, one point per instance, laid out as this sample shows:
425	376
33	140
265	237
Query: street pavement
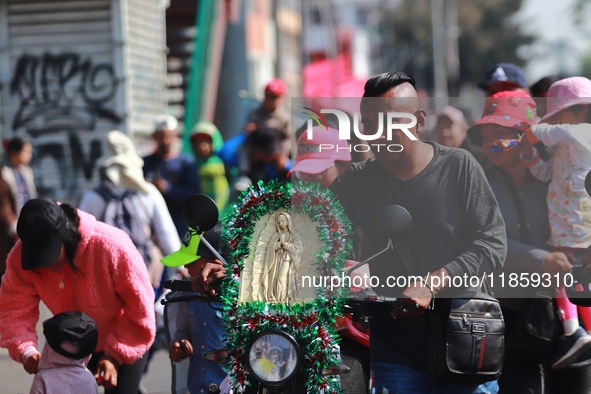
14	379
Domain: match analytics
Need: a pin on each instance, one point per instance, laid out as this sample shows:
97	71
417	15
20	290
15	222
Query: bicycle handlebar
178	285
184	285
382	300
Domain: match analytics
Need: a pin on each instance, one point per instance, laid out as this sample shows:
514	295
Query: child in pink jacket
71	261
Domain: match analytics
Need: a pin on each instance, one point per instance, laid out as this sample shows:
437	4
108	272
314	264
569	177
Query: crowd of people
503	194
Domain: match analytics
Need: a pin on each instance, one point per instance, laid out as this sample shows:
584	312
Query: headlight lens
273	357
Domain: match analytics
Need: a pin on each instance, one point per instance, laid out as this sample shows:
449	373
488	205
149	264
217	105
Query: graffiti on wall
61	98
61	92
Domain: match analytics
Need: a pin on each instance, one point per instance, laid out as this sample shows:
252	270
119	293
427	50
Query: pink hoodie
113	289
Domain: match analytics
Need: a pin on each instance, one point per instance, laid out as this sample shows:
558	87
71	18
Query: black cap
41	227
75	328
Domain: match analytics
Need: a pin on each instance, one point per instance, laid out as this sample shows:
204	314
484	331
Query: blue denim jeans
401	379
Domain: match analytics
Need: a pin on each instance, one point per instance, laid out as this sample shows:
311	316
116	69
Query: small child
207	141
198	325
71	340
566	129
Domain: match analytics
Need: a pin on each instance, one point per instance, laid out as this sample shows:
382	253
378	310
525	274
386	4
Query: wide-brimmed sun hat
514	109
566	93
122	165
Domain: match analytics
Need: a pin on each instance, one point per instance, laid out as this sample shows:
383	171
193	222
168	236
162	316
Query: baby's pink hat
567	92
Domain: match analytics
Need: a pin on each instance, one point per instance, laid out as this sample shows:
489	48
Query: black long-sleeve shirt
456	224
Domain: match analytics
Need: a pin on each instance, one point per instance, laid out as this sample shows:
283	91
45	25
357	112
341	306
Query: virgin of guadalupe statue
282	262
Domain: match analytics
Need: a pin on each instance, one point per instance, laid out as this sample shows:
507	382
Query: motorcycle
284	240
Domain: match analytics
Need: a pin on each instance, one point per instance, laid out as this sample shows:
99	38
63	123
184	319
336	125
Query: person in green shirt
206	141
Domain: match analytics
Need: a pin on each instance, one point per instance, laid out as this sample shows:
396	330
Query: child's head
568	101
71	334
202	146
206	139
572	115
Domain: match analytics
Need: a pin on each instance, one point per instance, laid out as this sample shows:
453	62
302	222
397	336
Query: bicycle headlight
273	357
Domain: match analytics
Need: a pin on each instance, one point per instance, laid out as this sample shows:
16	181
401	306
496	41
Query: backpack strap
106	194
134	197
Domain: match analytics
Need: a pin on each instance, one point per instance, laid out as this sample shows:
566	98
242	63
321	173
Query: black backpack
121	211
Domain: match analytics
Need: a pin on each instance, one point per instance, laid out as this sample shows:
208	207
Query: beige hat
122	165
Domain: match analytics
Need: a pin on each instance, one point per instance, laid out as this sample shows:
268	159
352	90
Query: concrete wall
70	71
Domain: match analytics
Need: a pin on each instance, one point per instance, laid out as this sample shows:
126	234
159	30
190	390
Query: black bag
537	332
466	339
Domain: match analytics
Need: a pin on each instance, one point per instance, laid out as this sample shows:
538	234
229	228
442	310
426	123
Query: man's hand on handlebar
419	299
204	273
420	295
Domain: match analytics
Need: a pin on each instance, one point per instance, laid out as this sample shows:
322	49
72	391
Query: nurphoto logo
394	122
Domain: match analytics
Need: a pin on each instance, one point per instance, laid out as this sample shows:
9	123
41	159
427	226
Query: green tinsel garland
310	323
